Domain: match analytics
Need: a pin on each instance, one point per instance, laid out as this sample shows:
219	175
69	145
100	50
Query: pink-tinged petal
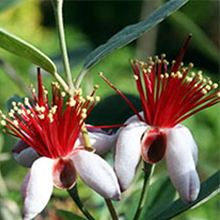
64	174
153	145
128	151
181	165
37	187
24	154
97	174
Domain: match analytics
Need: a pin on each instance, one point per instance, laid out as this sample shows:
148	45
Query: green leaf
202	42
65	215
132	32
25	50
209	188
161	194
6	4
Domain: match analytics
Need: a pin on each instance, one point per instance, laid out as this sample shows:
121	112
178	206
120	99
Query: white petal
180	164
37	187
97	174
128	151
24	154
190	141
100	140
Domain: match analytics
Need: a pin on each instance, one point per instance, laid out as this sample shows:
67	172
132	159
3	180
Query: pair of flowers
53	145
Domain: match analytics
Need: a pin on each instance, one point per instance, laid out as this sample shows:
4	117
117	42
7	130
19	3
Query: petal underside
96	173
128	151
24	154
37	187
181	165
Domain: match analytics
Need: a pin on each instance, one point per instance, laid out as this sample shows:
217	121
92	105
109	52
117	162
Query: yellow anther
215	86
204	80
14	103
84	110
135	77
34	90
189	79
41	117
3	116
11	114
3	122
149	59
200	78
166	62
42	109
173	61
208	87
37	108
163	55
97	98
193	74
161	76
46	92
15	108
63	94
166	75
179	74
199	73
28	112
26	101
210	82
218	94
15	122
204	91
72	102
20	104
191	65
173	74
96	86
142	63
89	98
181	64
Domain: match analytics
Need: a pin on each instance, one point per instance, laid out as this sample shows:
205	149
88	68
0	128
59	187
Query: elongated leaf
161	194
209	188
69	215
132	32
25	50
6	4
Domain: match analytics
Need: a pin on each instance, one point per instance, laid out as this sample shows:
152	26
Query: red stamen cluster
169	97
50	129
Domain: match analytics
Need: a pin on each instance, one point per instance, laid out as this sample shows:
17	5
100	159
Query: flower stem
58	6
148	171
75	196
111	209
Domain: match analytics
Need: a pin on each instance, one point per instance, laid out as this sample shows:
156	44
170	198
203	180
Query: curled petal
37	187
96	173
64	174
24	154
181	165
128	151
100	140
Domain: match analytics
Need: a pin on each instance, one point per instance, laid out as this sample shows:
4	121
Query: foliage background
89	24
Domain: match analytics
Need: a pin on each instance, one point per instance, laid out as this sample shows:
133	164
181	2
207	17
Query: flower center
64	174
153	145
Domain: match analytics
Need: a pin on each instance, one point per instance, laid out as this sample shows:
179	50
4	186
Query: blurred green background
89	24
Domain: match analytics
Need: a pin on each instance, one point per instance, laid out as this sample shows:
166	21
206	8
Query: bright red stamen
50	129
169	97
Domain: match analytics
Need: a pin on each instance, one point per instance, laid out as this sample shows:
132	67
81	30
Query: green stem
111	209
148	171
58	6
75	196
